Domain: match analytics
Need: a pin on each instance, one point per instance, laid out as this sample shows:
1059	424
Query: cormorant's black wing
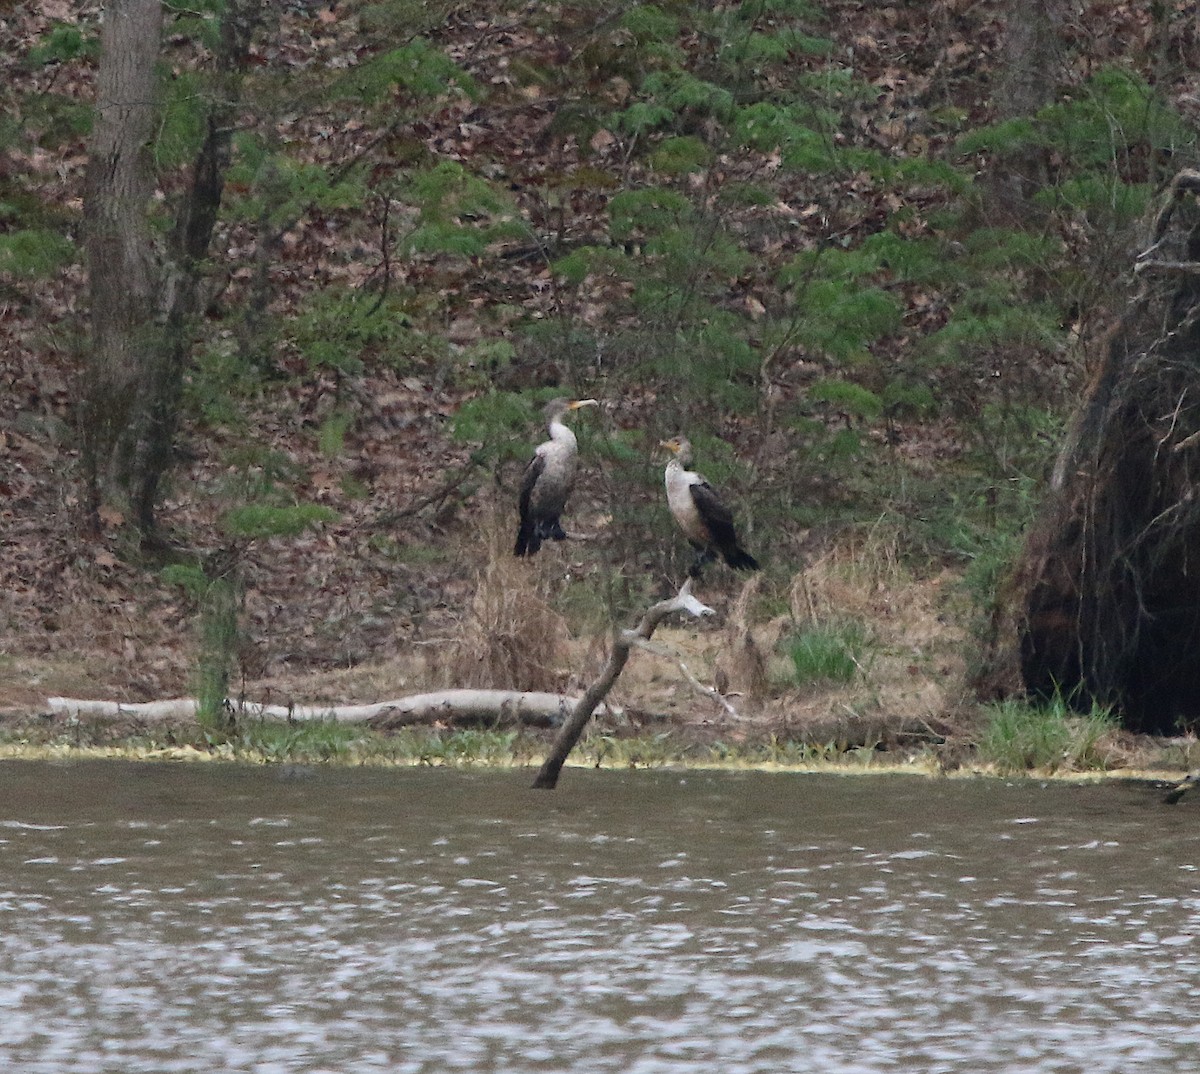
718	520
528	538
532	472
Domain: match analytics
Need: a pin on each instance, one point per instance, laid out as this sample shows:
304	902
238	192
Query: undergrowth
850	334
1019	739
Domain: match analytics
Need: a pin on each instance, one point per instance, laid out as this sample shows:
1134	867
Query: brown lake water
216	918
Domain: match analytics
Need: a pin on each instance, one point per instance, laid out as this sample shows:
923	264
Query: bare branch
696	684
1167	268
623	642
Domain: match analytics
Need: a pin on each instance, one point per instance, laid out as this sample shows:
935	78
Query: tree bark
1028	81
143	312
188	250
119	245
1032	56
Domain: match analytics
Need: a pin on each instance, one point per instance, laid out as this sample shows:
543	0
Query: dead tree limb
531	708
568	735
1167	268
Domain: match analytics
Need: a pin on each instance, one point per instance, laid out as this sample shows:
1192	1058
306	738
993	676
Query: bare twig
695	683
450	485
385	266
1167	268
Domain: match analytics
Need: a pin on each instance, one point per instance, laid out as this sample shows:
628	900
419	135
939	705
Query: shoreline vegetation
887	697
314	743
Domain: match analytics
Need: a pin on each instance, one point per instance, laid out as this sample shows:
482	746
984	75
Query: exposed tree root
1103	607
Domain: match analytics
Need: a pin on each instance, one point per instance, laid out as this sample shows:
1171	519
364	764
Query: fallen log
490	707
493	707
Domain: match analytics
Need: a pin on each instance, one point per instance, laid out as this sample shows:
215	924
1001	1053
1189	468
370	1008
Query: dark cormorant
548	480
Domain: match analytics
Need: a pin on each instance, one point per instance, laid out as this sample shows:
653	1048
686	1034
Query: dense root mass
1104	606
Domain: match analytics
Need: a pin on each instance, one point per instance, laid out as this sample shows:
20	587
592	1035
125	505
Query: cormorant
548	480
705	520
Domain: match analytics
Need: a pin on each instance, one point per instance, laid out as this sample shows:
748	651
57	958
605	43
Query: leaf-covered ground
410	580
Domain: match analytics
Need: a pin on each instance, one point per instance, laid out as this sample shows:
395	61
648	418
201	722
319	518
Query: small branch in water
1181	788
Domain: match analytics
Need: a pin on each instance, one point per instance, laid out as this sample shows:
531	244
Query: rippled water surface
213	918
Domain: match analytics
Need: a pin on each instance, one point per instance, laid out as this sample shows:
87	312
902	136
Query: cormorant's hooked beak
575	404
671	445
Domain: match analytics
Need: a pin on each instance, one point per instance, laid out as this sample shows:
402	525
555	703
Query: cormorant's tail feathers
740	560
532	533
528	541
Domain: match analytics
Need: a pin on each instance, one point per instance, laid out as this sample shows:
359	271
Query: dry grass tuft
911	660
741	666
511	637
849	580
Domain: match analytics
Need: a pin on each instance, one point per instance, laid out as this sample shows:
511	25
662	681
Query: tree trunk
1028	81
187	251
120	253
144	314
1032	56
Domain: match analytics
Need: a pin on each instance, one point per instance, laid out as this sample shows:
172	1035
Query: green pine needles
32	254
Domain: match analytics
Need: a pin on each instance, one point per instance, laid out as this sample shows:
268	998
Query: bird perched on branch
706	522
548	480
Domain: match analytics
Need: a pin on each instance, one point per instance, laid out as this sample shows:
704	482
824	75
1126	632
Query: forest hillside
863	255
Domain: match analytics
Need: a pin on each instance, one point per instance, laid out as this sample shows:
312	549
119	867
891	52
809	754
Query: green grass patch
1021	736
644	751
326	741
311	742
34	254
827	653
